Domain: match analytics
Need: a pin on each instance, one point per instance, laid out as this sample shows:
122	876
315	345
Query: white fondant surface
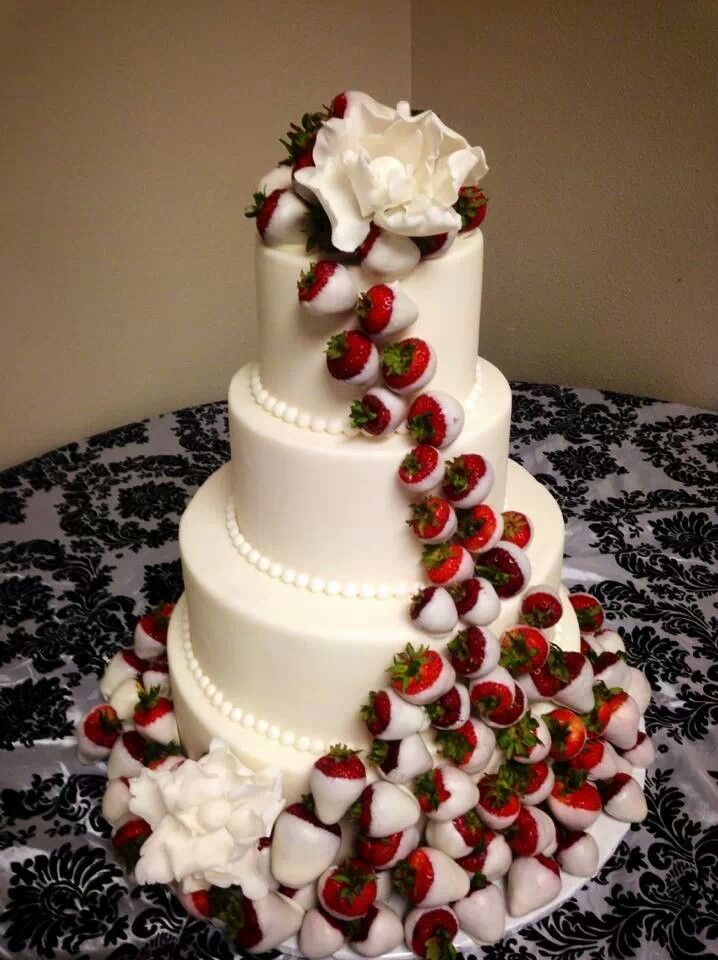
447	291
330	505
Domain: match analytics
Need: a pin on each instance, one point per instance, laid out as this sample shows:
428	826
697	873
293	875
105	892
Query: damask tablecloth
88	540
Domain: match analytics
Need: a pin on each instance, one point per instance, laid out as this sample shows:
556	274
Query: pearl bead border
335	426
246	719
344	589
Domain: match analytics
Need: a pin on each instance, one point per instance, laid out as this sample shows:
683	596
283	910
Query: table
88	540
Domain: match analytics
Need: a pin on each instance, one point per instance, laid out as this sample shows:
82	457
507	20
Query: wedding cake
370	577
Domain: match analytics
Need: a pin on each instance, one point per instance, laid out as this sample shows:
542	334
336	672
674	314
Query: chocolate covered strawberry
457	837
435	418
157	674
435	246
541	607
642	753
507	716
526	741
377	933
432	520
255	925
125	698
420	675
480	528
124	664
477	603
574	801
428	878
305	897
379	412
128	839
281	217
116	800
532	832
474	652
608	641
471	207
347	890
97	732
534	782
384	310
615	717
154	717
470	746
384	809
151	632
321	934
197	903
433	610
445	792
566	677
623	798
491	858
523	649
127	755
302	846
568	733
468	480
399	761
446	563
385	852
611	669
482	914
596	759
505	566
492	692
387	255
577	853
391	717
499	803
429	931
451	709
408	365
532	882
517	528
352	358
421	469
588	610
326	288
336	780
638	687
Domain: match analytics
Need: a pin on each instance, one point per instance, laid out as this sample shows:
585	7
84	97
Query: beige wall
131	134
600	124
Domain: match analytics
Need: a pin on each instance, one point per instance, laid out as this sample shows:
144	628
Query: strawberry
435	418
116	800
348	890
499	803
615	717
197	903
97	732
638	687
281	217
527	741
541	607
302	136
388	255
428	878
305	897
408	365
532	883
385	808
155	718
574	801
157	674
255	926
124	664
321	935
565	677
128	839
432	520
470	746
517	528
471	207
445	792
480	528
642	753
433	610
523	649
278	178
588	610
151	632
609	641
596	759
447	563
352	358
420	675
399	761
489	860
378	413
623	798
609	668
326	288
451	710
534	782
302	846
474	652
126	696
389	716
384	310
507	716
434	246
336	780
532	832
127	755
458	837
477	603
377	933
568	733
338	106
482	914
492	691
468	480
158	756
507	567
577	853
385	852
421	469
429	932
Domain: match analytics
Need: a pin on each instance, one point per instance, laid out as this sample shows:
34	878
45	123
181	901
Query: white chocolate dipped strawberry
532	832
429	932
150	639
638	687
506	566
321	934
477	603
125	698
482	914
492	693
347	890
116	800
326	289
433	611
97	733
523	649
474	652
541	607
526	741
597	759
421	469
469	746
445	792
391	717
197	903
420	675
127	755
577	853
377	933
609	641
518	529
352	358
532	882
281	217
385	310
615	717
588	610
154	717
384	809
305	896
302	846
611	669
387	255
336	780
623	798
576	682
157	674
468	480
537	782
435	246
378	413
499	804
435	418
479	529
574	801
432	520
451	710
255	926
278	178
408	365
399	761
642	753
491	857
124	664
458	837
447	563
385	852
428	878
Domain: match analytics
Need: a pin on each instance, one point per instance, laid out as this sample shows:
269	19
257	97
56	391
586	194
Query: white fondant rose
382	165
207	817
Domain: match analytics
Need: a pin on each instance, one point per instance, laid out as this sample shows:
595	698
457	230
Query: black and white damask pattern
88	540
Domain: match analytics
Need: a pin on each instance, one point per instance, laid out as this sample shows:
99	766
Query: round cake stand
608	834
